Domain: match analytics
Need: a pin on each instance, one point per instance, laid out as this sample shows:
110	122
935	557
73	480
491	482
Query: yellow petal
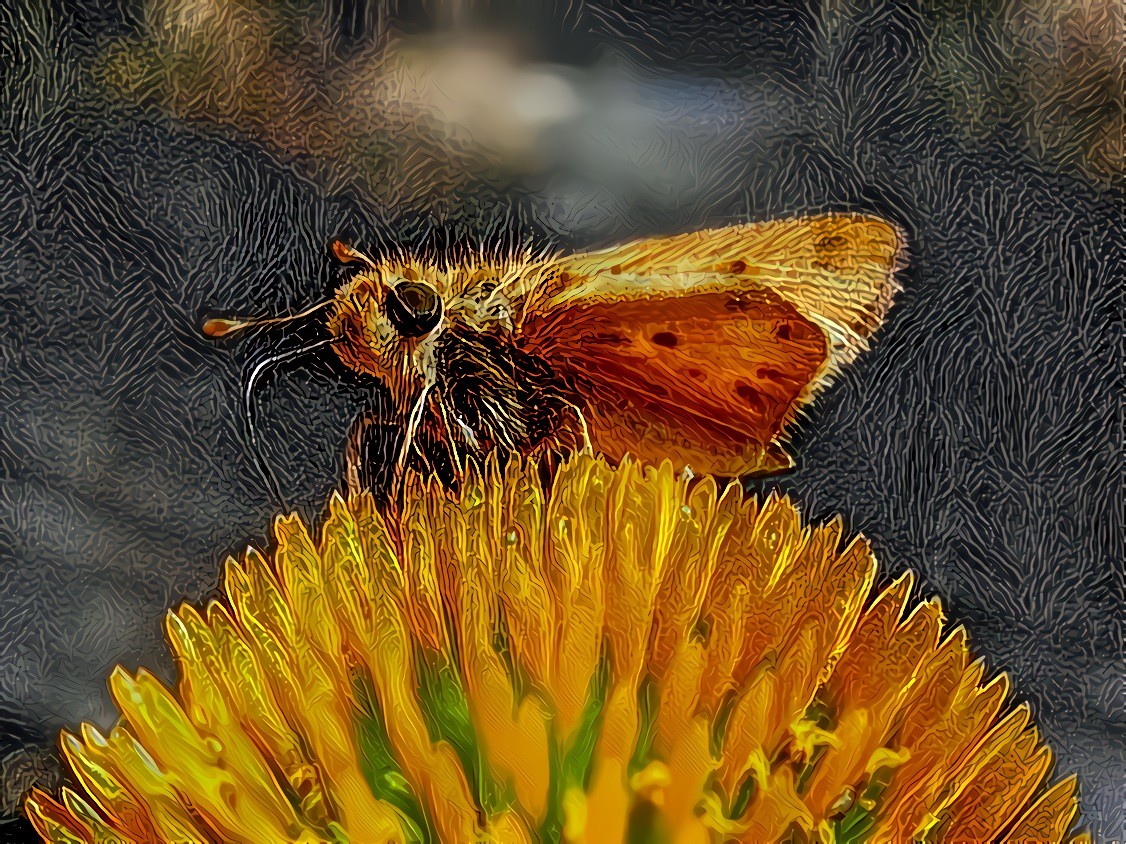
109	791
1049	818
513	733
97	829
263	719
53	821
239	810
608	800
574	816
715	649
423	593
509	828
299	568
121	753
690	559
1001	788
432	769
577	545
529	605
204	697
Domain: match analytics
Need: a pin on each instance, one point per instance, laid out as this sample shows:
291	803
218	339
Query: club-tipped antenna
346	254
221	327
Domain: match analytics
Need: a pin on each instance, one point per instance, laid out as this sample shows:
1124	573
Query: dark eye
414	308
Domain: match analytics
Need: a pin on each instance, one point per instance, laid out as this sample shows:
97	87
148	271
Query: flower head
622	657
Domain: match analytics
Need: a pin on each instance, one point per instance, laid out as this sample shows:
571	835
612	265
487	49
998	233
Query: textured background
977	443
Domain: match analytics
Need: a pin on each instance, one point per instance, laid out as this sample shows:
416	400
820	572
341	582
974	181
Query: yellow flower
624	658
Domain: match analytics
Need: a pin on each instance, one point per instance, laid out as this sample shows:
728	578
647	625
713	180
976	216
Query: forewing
701	347
838	270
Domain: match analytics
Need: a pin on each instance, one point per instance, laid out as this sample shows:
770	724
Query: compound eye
413	308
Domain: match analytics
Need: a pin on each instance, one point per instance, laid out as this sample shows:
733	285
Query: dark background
977	443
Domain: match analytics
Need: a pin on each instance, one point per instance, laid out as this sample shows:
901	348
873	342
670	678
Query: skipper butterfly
700	348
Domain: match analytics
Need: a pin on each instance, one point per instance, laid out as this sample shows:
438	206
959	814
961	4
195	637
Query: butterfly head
384	323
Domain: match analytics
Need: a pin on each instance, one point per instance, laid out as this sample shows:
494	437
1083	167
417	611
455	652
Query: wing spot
692	372
666	339
783	332
769	373
749	395
803	331
737	267
616	269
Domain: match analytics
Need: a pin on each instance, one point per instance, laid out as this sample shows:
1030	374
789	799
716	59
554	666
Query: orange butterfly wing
701	347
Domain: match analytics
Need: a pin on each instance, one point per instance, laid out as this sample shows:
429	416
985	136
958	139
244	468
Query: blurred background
166	158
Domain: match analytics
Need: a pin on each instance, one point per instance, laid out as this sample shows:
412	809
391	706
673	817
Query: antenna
222	327
345	254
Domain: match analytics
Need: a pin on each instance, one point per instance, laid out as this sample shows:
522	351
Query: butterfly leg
451	441
775	461
370	456
587	447
413	422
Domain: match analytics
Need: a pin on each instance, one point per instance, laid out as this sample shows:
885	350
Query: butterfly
700	348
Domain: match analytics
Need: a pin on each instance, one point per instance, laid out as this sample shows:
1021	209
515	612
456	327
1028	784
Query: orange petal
774	808
683	736
938	757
